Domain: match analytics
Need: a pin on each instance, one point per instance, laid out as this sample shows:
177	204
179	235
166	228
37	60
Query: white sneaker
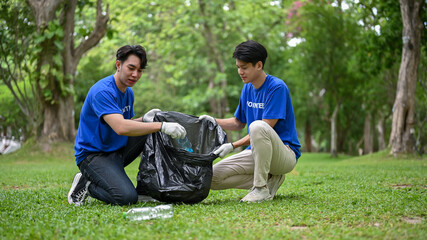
274	183
258	194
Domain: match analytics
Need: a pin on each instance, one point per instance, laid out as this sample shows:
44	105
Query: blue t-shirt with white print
94	134
271	101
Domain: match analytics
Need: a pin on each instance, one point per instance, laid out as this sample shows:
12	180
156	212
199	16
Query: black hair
137	50
251	52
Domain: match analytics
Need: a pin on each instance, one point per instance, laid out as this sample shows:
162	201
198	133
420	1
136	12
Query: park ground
370	197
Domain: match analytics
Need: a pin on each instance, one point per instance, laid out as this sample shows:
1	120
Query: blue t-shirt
271	101
94	134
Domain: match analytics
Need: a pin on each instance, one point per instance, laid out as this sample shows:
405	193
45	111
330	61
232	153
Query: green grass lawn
374	196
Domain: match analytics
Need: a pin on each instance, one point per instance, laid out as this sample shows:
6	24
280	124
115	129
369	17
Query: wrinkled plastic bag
173	175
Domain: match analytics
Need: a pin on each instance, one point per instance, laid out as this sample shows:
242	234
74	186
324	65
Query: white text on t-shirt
125	109
255	105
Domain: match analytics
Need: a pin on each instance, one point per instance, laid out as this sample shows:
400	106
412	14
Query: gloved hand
207	117
149	116
175	130
225	149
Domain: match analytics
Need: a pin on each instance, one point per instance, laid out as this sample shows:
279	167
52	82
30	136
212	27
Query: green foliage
379	52
349	56
10	114
44	57
343	58
372	197
18	105
322	72
420	135
180	54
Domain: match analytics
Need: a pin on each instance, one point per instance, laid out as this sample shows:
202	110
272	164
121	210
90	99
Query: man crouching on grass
265	107
108	139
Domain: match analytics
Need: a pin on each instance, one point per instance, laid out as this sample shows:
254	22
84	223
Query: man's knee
216	179
258	126
127	198
215	184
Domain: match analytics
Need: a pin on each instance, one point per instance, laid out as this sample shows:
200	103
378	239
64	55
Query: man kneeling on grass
265	107
108	139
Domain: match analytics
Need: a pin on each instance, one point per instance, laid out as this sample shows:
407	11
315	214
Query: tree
378	49
404	105
53	61
327	49
57	62
12	124
17	31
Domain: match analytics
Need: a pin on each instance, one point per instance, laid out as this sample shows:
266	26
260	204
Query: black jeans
106	172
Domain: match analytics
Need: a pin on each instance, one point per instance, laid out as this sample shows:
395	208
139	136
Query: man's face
248	72
129	72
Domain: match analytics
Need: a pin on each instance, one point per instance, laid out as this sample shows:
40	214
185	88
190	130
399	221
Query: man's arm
232	124
128	127
138	119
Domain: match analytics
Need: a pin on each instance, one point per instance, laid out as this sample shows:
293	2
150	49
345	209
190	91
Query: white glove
175	130
225	149
207	117
149	116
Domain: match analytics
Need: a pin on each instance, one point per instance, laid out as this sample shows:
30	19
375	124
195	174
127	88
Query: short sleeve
105	103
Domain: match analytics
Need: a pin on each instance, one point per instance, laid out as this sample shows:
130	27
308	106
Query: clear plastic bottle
147	213
185	144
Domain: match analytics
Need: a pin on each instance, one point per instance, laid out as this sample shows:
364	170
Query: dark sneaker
274	183
78	192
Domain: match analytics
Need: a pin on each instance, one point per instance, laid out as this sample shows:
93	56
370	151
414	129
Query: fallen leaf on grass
15	187
298	227
401	185
413	220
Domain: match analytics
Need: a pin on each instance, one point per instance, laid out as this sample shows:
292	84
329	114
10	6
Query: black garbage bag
173	175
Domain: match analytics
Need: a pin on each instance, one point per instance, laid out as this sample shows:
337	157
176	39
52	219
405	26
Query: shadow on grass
220	202
289	197
236	200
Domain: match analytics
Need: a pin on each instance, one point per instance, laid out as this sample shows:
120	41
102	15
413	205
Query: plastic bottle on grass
147	213
185	144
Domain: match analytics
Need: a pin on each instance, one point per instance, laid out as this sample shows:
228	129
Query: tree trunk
308	136
334	133
59	120
358	148
381	133
368	137
44	11
404	104
55	83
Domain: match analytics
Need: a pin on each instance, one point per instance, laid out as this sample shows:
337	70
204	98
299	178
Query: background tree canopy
340	60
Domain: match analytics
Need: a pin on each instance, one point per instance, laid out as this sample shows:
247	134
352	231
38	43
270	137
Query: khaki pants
251	167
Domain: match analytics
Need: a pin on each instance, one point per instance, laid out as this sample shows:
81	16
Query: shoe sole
73	187
258	201
274	190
